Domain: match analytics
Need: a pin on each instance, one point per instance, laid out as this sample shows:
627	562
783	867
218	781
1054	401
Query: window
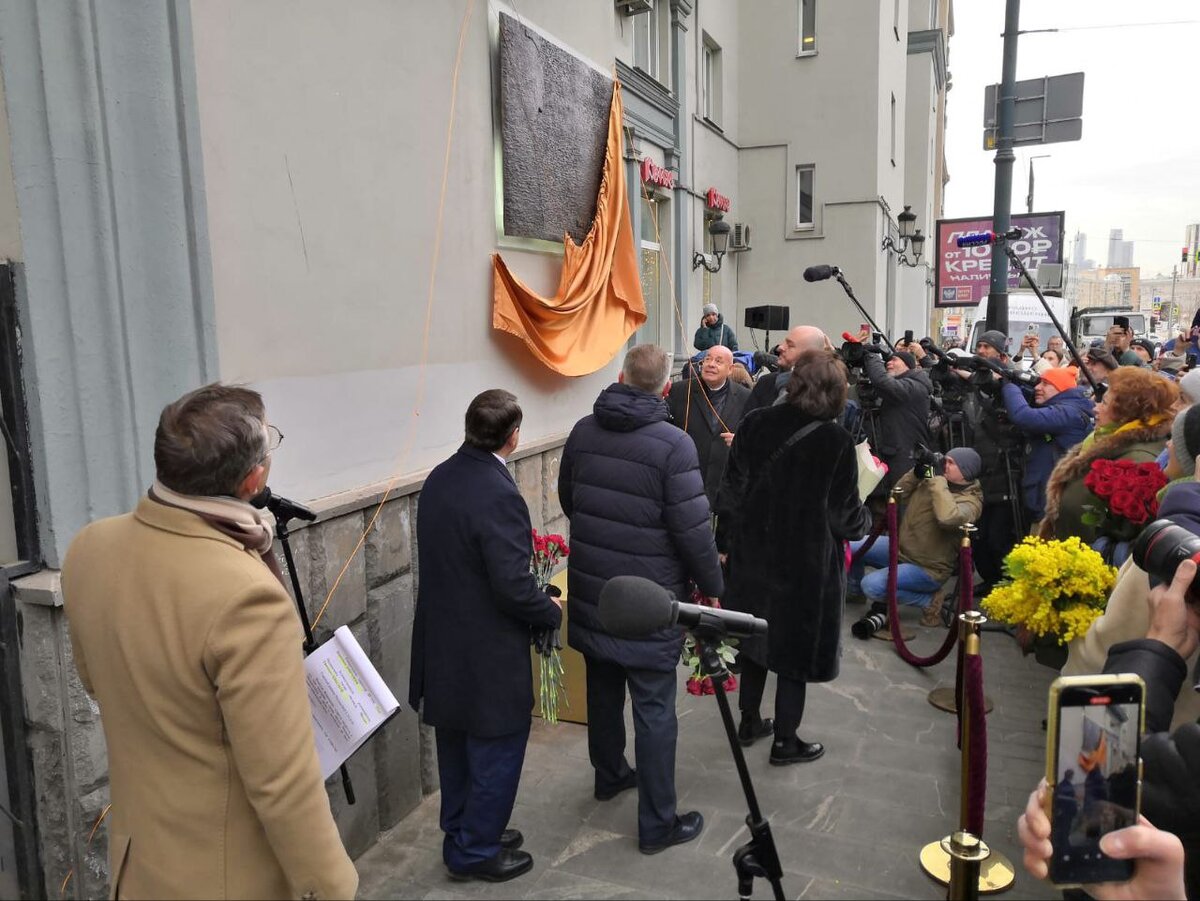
808	27
712	81
651	48
804	196
893	144
655	288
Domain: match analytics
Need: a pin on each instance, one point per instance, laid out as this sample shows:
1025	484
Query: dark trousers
479	778
997	535
789	697
655	730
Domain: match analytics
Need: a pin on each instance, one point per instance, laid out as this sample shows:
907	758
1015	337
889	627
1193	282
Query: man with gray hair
183	632
630	483
772	387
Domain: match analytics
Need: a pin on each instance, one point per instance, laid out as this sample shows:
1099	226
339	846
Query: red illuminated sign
654	174
716	200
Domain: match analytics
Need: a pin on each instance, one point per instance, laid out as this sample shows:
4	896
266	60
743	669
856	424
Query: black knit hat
909	360
994	338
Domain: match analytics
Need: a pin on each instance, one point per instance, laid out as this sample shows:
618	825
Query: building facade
303	196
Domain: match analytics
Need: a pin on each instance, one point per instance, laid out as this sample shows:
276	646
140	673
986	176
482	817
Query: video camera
1161	547
854	352
928	463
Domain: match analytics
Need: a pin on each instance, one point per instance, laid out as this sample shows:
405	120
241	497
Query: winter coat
1052	429
630	484
933	510
692	411
719	334
785	521
903	417
1066	495
1171	760
474	566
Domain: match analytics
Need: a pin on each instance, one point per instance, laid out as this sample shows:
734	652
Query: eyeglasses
274	439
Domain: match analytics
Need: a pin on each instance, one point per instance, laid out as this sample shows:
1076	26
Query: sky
1137	167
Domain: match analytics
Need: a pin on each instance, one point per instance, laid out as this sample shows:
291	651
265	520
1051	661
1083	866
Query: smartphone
877	338
908	336
1032	328
864	327
1094	770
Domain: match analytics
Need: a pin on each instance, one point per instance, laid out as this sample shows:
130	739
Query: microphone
820	273
978	239
282	508
633	607
849	337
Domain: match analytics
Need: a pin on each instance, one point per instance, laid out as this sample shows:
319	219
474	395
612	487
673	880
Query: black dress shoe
504	866
630	781
511	839
687	827
793	750
752	728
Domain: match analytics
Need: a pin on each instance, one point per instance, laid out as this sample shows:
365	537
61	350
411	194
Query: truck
1090	323
1025	315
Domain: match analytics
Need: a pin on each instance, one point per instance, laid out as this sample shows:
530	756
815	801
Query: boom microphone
820	273
633	607
979	239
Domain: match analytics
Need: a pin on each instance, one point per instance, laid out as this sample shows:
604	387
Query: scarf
1105	430
231	517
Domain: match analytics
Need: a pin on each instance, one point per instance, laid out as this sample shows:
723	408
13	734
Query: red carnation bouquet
698	683
1129	495
547	551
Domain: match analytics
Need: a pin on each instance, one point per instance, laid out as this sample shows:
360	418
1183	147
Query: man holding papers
476	602
184	634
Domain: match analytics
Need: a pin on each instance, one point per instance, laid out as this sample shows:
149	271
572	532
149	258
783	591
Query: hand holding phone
1093	773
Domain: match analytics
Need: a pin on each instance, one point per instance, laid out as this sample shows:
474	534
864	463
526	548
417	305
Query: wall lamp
719	229
908	238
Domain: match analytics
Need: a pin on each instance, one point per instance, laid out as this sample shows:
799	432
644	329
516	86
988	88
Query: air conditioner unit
741	238
635	7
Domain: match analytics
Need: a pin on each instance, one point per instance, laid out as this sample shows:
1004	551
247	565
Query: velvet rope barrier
893	617
976	780
876	531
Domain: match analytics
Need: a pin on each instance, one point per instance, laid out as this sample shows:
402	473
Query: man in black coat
709	409
630	484
476	603
904	391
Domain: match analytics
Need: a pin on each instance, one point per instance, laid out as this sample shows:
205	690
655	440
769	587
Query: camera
928	462
1161	547
869	624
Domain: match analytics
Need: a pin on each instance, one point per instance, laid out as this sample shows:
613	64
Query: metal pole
1173	312
997	314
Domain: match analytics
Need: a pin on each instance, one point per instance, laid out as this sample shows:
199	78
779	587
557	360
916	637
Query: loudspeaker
769	319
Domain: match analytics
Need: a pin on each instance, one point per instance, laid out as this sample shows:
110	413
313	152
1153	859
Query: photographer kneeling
1060	417
940	495
904	392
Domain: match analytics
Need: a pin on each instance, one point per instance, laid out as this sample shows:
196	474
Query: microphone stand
850	293
285	511
758	857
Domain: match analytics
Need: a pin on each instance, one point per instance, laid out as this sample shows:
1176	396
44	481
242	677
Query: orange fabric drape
599	302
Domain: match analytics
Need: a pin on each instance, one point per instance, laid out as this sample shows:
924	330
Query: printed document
348	696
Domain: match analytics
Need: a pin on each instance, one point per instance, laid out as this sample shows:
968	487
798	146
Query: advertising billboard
964	273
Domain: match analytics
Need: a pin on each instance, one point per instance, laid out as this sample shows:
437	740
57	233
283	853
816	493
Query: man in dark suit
709	409
630	483
476	603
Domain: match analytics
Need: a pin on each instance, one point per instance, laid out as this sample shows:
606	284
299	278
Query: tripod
284	512
758	856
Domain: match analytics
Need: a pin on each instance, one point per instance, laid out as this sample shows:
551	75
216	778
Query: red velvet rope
876	531
893	617
977	724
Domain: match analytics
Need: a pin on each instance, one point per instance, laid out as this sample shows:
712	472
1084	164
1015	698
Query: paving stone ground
849	825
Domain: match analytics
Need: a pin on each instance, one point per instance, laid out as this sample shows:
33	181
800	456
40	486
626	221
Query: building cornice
931	41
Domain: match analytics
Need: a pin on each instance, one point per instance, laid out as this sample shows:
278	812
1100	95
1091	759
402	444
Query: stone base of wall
375	597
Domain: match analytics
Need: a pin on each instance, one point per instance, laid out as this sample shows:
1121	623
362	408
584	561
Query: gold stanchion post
961	860
944	698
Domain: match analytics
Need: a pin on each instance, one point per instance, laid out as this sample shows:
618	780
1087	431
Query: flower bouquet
1128	493
547	551
1054	591
698	683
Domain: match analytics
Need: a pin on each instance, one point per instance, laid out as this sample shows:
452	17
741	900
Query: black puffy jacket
630	484
903	417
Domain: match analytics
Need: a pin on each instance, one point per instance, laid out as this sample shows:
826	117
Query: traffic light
1153	323
1183	259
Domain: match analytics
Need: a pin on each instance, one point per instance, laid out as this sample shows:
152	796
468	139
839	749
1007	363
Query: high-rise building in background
1079	258
1191	250
1120	252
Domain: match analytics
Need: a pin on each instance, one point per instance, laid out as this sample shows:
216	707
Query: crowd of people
714	484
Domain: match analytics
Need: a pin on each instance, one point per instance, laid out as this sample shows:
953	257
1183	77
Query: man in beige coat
192	648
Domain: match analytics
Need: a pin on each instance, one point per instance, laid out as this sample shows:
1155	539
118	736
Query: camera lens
1162	546
869	625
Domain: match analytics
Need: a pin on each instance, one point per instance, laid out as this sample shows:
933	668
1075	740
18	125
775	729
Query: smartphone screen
908	336
1095	752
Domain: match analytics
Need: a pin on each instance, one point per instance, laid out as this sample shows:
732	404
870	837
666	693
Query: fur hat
969	462
994	338
1185	439
1063	378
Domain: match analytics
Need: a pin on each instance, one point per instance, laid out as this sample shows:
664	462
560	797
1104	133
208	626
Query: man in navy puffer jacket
630	483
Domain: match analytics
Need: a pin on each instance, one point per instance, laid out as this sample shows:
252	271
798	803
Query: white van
1025	315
